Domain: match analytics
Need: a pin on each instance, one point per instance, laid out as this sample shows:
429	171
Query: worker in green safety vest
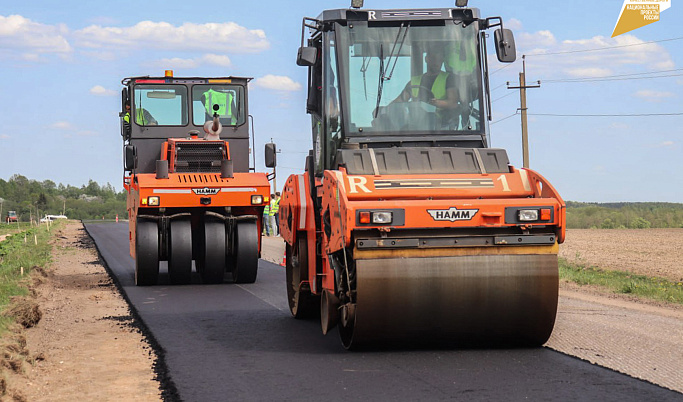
266	221
461	62
225	102
275	211
435	86
142	116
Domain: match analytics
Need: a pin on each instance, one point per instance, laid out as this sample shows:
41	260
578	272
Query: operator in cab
226	106
142	116
435	86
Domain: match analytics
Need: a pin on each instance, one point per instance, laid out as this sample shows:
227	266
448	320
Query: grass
10	228
623	282
15	254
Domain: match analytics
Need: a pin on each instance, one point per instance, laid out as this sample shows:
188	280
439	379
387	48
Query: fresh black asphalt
239	342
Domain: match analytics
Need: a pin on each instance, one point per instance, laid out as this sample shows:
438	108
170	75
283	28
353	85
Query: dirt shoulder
86	344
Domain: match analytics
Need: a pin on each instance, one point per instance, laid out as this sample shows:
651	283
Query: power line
580	80
620	75
504	118
605	115
504	96
605	48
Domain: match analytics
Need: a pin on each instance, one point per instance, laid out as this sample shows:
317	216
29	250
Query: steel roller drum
507	299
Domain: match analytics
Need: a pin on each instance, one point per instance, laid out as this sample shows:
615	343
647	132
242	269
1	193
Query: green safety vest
274	206
223	100
438	88
266	210
461	64
139	117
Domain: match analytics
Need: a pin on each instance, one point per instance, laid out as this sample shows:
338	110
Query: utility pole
522	99
279	151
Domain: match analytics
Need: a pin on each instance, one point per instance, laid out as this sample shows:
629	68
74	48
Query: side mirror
131	158
306	56
270	155
505	45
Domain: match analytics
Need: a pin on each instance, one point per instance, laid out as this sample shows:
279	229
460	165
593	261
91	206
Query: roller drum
507	299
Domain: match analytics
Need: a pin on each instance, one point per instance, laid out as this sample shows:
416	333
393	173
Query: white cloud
277	83
537	41
217	60
653	96
28	37
667	144
589	72
61	125
214	37
514	24
619	126
177	63
99	90
548	57
4	137
207	59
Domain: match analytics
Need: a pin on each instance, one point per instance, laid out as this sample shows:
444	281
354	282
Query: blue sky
62	64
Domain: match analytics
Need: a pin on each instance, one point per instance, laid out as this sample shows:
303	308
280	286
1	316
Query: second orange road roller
406	225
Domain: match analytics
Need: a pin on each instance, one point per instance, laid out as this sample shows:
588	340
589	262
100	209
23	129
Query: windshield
410	78
226	100
160	105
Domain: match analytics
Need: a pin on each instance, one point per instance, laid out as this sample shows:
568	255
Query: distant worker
225	102
266	220
275	208
142	116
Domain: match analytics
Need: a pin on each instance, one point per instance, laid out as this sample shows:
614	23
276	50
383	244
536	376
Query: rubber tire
146	252
302	304
245	253
180	252
212	253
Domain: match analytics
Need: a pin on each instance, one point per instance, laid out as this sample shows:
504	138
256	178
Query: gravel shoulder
86	346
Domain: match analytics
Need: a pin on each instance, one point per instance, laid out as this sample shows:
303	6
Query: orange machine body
194	190
460	202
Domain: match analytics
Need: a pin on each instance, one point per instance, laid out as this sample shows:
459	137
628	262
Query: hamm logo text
206	191
452	214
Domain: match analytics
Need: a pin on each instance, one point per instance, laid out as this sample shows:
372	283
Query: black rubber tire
245	252
212	254
302	304
180	252
146	252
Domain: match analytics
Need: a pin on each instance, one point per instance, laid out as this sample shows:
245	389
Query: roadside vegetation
625	215
33	199
17	251
623	282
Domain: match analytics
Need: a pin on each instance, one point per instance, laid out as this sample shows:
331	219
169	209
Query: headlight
153	201
382	218
256	199
528	215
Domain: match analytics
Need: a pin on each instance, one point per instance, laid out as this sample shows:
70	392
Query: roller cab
407	226
192	194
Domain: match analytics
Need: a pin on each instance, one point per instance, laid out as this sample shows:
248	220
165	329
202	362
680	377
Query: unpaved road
91	351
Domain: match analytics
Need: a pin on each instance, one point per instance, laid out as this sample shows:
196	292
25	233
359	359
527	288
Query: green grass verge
10	228
14	254
623	282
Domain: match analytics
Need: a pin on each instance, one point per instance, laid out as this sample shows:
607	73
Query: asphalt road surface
239	342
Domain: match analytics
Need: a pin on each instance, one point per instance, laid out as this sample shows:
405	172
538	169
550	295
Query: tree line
624	215
32	198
